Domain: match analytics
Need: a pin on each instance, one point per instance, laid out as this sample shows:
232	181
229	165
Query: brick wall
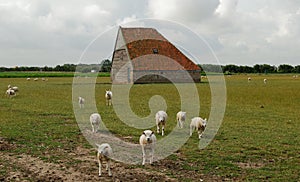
165	76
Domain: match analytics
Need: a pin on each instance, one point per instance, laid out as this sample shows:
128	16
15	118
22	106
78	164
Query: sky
241	32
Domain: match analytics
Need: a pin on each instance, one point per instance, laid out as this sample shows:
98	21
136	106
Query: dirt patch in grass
25	167
250	165
85	168
5	145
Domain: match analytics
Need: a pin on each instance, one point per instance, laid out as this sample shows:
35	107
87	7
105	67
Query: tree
285	68
296	69
106	65
231	68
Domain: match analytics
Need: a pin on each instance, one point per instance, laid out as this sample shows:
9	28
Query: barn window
155	51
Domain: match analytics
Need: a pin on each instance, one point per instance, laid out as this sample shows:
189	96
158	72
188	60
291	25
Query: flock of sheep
12	90
265	80
147	139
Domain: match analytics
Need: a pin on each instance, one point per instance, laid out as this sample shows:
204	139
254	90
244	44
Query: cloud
240	31
189	11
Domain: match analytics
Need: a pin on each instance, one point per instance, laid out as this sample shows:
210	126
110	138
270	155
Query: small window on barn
155	51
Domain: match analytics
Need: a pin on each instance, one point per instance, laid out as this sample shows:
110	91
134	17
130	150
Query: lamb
148	141
81	102
265	81
28	79
199	124
15	88
103	154
95	120
180	118
36	79
108	96
249	79
161	118
10	92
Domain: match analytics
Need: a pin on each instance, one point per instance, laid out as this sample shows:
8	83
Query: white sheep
15	88
249	79
147	142
181	118
81	102
95	120
10	92
199	124
28	79
161	118
108	97
265	81
36	79
103	154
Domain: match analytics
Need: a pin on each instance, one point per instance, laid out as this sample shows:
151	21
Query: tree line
105	66
257	68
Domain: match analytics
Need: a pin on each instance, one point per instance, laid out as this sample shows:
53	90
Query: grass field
258	140
28	74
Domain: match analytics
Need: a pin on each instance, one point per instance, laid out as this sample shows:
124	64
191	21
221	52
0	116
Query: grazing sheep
199	124
148	141
81	102
108	97
10	92
95	120
36	79
16	89
181	118
161	118
103	154
28	79
249	79
265	81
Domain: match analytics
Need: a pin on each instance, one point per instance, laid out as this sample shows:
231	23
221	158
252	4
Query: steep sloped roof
149	50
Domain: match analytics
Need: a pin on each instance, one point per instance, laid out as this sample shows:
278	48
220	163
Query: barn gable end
143	55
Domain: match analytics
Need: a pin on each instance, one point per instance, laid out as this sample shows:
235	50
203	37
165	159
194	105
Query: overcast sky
242	32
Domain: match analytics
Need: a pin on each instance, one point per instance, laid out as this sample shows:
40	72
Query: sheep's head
108	93
148	134
204	122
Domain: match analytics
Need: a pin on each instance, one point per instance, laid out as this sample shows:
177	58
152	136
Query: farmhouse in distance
143	55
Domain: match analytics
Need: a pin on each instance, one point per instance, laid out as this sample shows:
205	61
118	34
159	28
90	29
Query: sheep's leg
99	162
92	127
157	126
163	129
191	130
200	133
108	167
152	154
98	127
144	155
180	124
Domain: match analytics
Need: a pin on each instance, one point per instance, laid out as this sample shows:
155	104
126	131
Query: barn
143	55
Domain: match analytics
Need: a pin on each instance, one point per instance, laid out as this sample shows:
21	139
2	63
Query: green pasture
34	74
258	140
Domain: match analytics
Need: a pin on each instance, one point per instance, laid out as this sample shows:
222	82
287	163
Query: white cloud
241	31
226	7
189	11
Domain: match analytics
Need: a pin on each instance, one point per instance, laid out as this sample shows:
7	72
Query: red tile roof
141	43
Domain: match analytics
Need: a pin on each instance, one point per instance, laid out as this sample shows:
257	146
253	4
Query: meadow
258	140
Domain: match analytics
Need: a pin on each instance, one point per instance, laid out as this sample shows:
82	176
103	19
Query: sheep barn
143	55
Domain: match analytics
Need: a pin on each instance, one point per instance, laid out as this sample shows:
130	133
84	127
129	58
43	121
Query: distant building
143	55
